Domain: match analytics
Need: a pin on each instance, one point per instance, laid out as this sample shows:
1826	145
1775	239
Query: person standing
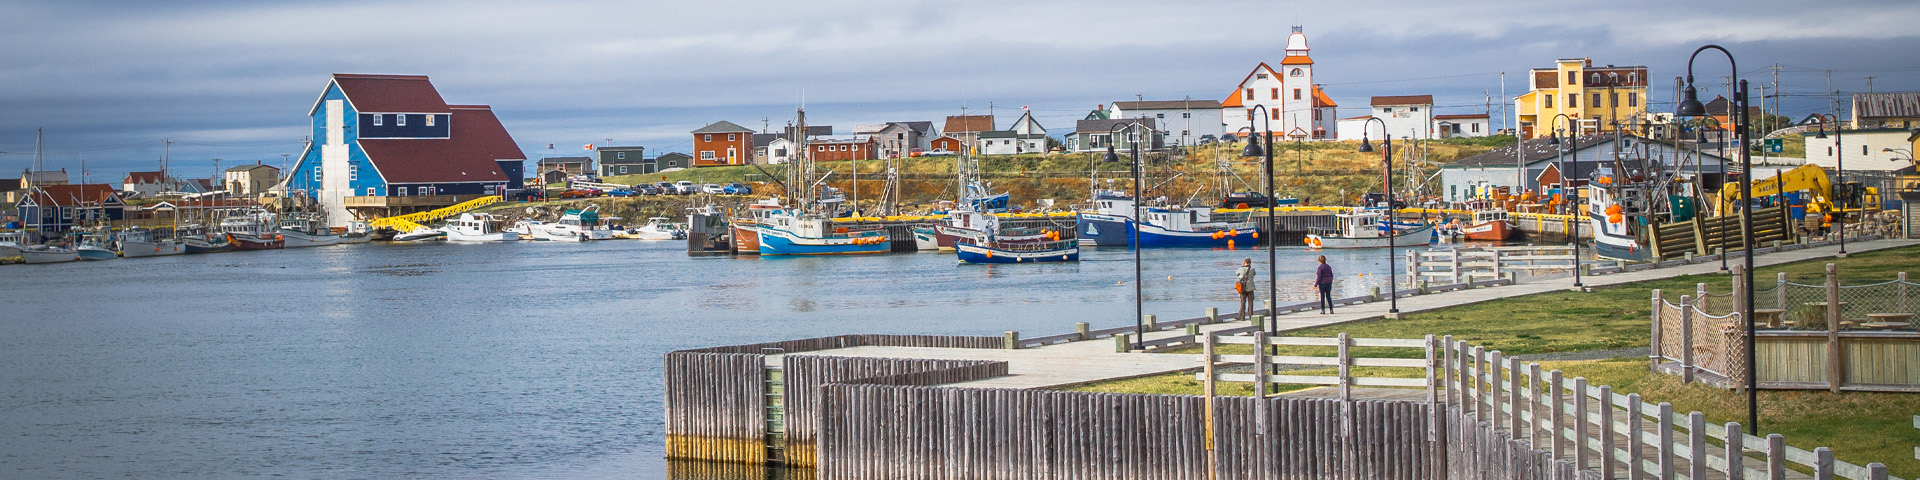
1243	285
1323	280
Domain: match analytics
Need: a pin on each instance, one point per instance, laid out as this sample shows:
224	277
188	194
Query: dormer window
377	119
400	120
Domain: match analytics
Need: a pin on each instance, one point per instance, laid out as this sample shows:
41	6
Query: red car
584	193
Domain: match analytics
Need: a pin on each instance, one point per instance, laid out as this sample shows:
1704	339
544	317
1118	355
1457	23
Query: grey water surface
494	360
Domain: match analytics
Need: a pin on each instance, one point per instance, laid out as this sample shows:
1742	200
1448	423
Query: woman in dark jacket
1323	279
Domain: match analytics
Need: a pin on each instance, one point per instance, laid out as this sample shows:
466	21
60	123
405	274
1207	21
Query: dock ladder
776	408
411	221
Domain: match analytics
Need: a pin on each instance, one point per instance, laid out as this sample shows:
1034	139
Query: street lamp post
1577	212
1386	143
1139	316
1273	265
1690	107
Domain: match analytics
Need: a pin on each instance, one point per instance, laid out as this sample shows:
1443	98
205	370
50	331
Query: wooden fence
718	399
886	431
1457	264
804	375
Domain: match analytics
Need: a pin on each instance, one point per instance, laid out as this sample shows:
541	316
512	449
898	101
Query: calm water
504	360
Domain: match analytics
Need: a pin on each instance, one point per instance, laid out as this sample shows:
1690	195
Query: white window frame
371	192
378	119
399	119
706	137
405	191
620	155
353	172
429	120
316	173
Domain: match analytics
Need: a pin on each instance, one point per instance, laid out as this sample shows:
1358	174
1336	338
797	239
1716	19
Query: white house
1403	116
780	151
1461	125
1184	121
1862	150
1005	142
148	184
1293	103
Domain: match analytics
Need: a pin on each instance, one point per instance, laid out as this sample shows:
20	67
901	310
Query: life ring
1313	242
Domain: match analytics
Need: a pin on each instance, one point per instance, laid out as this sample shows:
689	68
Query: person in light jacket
1323	280
1243	285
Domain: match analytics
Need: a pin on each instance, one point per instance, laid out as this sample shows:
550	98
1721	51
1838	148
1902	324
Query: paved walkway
1095	360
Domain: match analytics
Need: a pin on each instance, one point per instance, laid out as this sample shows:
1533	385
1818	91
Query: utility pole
1870	83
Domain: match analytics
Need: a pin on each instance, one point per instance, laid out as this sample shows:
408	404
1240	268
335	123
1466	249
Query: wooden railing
1455	264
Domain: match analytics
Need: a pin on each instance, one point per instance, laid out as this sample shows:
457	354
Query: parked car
1208	139
684	187
939	152
665	188
645	189
621	192
738	189
917	152
580	193
529	195
712	189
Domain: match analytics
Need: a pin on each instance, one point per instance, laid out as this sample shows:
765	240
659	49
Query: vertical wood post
1346	368
1479	374
1700	291
1559	415
1493	388
1260	378
1697	445
1213	315
1876	471
1207	352
1780	293
1686	339
1636	431
1086	330
1534	412
1496	264
1152	323
1736	452
1667	456
1454	265
1011	340
1823	463
1836	370
1581	425
1448	367
1514	394
1606	431
1776	457
1902	277
1120	343
1413	264
1739	285
1653	357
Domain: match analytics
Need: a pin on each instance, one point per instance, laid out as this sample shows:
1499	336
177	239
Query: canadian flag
589	147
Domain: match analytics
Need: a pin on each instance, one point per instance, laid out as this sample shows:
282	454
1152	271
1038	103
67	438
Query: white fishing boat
10	243
576	226
96	247
1365	230
48	254
300	231
422	234
657	228
477	227
140	242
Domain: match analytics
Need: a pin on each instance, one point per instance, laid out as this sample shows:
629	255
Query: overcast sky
110	80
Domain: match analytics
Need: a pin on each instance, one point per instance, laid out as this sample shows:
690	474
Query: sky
112	81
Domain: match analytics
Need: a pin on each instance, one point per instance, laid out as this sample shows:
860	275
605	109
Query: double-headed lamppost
1566	184
1839	179
1139	316
1254	150
1690	107
1386	144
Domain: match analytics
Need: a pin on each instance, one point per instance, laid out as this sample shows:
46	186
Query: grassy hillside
1322	172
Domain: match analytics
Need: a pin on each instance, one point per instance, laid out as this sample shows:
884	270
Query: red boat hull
746	240
1494	231
249	242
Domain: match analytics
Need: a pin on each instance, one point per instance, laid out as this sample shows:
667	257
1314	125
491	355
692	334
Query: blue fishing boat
1111	224
1060	251
791	232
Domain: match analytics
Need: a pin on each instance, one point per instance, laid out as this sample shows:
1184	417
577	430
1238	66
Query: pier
978	407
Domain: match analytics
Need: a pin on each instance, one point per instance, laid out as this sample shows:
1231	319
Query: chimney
1589	61
1101	107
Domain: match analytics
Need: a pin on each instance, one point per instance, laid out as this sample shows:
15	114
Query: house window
706	138
623	169
405	191
1249	113
1863	149
377	119
620	155
1572	77
1296	94
1261	76
400	120
1297	72
370	192
316	173
1186	115
706	155
730	137
1415	109
66	213
1596	100
1476	128
1316	115
1249	94
1573	100
1549	99
429	120
1633	99
353	172
1276	93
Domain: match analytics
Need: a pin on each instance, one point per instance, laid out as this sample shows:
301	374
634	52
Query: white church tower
1295	104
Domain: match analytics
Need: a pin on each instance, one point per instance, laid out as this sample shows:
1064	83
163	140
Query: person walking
1323	280
1243	285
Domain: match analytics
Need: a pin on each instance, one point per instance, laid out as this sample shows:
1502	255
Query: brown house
948	143
830	149
722	143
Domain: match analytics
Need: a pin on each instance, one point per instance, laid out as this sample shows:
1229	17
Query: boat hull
135	248
1099	230
925	239
51	255
203	246
9	251
1621	249
1414	237
1493	231
96	253
457	236
291	239
746	240
252	242
777	242
970	253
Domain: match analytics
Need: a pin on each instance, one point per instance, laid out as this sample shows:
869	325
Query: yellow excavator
1850	199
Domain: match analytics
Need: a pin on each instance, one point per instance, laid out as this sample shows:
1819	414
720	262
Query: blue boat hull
971	253
772	243
1115	231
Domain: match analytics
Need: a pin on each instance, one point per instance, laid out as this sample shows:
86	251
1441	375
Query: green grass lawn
1861	427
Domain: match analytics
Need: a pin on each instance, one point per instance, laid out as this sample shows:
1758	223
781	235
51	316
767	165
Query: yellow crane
1809	178
411	221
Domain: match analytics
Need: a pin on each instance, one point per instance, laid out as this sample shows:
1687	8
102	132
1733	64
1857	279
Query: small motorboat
1490	226
1058	251
206	244
1366	230
48	254
576	226
421	234
96	247
657	228
302	232
477	227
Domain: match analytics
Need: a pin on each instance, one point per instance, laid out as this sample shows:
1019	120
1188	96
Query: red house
722	143
830	149
948	143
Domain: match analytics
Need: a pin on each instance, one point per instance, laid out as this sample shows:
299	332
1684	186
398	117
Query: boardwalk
1095	360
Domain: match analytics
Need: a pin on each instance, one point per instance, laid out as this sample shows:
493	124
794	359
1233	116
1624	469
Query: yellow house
1592	97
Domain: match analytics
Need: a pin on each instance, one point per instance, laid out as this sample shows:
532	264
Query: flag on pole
589	147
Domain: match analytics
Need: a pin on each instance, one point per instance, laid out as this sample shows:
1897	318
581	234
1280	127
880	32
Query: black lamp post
1273	279
1839	179
1139	316
1690	107
1386	142
1579	214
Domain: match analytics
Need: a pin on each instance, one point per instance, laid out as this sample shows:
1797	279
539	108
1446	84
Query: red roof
76	195
1403	100
1297	60
1320	99
968	123
1459	116
476	141
391	93
145	177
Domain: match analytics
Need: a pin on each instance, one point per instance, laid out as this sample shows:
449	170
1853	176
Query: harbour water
494	360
